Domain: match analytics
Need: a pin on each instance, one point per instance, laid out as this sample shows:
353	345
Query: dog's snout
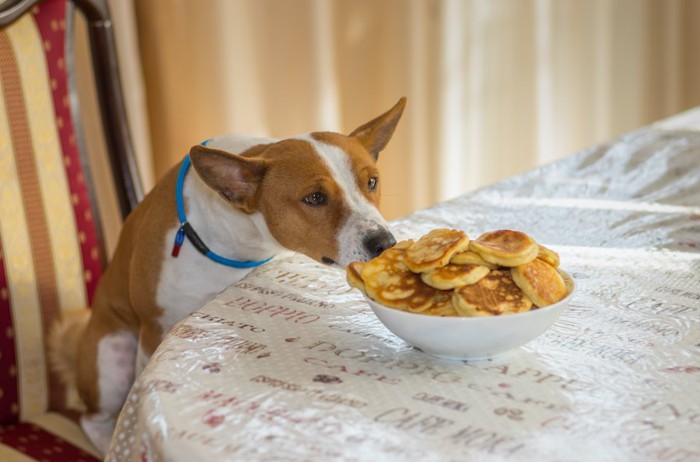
377	242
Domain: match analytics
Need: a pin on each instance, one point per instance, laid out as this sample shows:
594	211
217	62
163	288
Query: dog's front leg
150	336
105	375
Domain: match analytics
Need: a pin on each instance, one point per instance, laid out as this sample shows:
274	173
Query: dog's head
318	192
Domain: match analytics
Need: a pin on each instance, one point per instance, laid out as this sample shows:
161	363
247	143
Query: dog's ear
235	178
375	134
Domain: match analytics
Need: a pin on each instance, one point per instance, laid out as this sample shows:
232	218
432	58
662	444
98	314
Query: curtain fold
494	87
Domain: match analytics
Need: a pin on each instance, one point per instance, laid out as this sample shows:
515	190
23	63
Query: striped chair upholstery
50	250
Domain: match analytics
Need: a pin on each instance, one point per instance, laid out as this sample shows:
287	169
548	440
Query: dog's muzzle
377	242
362	239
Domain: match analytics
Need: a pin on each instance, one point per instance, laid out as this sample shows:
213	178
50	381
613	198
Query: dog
232	204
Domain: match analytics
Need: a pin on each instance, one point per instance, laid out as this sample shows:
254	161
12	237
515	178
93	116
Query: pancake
505	247
403	245
540	281
353	274
548	255
495	294
444	274
451	276
443	307
471	258
435	249
389	281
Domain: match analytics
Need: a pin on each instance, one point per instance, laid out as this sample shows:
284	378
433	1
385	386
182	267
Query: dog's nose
378	241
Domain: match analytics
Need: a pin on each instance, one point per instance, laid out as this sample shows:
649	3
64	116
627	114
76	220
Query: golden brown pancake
471	258
403	245
442	307
435	249
493	295
540	281
389	281
451	276
353	274
505	247
548	255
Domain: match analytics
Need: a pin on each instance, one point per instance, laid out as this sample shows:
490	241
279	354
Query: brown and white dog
248	199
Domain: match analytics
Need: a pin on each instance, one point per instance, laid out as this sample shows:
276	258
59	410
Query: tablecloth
291	365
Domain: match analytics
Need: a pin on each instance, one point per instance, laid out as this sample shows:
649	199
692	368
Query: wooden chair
51	251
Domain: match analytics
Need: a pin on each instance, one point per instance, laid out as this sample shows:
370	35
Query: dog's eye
372	183
314	199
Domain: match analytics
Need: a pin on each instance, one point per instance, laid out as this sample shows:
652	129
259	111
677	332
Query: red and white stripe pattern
49	250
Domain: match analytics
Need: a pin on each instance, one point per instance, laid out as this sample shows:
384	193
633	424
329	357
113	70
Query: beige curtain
494	87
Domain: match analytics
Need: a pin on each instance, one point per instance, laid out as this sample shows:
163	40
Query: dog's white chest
188	281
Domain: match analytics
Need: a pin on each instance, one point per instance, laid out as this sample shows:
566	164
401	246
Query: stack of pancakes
445	274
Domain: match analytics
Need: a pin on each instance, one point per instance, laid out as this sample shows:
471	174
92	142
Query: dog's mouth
328	261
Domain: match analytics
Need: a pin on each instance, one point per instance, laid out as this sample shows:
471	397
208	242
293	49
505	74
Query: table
291	365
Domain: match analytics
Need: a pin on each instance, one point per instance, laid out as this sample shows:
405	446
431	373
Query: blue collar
186	228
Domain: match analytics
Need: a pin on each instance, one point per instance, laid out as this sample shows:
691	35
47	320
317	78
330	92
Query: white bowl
471	338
